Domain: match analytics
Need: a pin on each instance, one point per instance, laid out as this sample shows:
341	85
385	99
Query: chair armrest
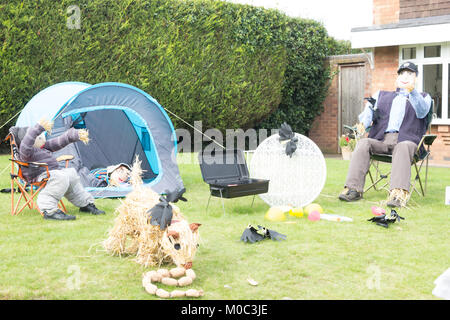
65	157
428	139
29	164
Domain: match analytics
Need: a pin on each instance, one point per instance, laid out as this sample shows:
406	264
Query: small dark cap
408	66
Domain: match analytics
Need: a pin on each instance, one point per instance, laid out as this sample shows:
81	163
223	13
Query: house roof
408	31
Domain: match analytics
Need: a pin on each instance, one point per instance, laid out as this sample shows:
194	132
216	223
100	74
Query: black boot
92	209
58	215
350	195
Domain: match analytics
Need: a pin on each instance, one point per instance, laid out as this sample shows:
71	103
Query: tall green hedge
229	65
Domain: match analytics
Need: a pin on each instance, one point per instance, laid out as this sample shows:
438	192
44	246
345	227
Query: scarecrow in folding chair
39	175
398	121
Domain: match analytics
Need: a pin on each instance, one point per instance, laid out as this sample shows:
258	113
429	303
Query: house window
408	53
432	51
433	61
432	83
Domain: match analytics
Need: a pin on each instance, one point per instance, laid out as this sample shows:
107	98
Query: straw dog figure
133	234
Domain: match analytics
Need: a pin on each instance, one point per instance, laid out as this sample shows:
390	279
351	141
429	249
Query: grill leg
208	203
223	205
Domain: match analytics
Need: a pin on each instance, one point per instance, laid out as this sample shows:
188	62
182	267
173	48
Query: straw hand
83	134
46	124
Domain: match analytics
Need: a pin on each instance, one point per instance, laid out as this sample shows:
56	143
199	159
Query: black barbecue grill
227	175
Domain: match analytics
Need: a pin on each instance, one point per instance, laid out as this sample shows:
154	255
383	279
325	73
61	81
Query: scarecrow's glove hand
83	134
46	124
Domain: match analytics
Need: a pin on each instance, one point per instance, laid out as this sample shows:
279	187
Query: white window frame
420	61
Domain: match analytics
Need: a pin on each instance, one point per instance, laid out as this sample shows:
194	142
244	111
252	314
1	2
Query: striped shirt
29	153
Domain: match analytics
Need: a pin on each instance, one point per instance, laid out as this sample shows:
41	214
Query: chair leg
12	197
23	194
32	196
426	171
61	205
14	211
378	173
418	177
28	203
29	199
372	181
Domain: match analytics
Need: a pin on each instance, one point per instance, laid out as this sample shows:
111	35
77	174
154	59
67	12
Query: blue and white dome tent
47	103
123	122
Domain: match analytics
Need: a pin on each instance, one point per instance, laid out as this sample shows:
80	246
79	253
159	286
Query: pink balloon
314	216
377	211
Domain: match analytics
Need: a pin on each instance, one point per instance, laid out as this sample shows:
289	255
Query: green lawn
42	259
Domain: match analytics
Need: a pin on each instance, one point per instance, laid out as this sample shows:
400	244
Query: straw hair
132	234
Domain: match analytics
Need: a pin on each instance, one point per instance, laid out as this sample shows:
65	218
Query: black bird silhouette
384	220
161	214
286	133
250	234
272	234
376	112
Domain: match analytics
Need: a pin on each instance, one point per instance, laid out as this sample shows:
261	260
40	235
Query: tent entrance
116	135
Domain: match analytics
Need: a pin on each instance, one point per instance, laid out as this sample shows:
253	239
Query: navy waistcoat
411	129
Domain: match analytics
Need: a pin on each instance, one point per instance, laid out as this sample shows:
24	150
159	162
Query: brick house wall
386	11
391	11
440	150
324	130
410	9
385	71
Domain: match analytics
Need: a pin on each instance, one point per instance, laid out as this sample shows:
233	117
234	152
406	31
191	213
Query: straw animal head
180	242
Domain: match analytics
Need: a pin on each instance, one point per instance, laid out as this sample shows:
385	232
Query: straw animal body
133	234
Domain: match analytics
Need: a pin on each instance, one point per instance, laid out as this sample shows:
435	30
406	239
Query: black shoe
350	195
92	209
58	215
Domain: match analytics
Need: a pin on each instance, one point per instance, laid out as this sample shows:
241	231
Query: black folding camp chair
420	159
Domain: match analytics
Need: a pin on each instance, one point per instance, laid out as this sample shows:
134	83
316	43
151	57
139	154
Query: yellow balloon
275	214
296	212
313	207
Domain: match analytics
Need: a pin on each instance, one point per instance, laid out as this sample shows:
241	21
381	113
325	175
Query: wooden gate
351	94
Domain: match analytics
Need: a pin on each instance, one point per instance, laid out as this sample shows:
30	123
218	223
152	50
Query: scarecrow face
406	80
40	141
120	175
